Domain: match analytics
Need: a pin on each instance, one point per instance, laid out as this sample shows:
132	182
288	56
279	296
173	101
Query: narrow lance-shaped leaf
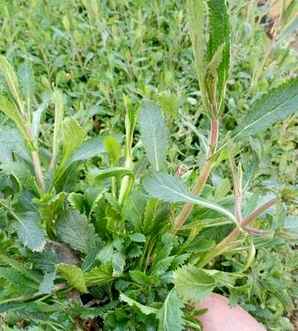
10	109
90	148
219	37
113	149
197	18
113	172
26	78
276	105
289	30
11	79
172	189
58	125
154	134
36	118
210	34
171	314
73	137
144	309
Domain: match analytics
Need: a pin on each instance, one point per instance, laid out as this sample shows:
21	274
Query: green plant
94	232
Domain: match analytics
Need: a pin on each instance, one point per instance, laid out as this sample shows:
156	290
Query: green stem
38	169
130	122
226	243
204	175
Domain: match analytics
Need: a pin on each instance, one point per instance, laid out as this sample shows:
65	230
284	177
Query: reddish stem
204	175
225	243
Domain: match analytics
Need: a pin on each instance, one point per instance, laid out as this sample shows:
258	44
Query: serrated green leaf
76	200
171	314
99	276
193	283
73	275
144	309
140	277
106	253
172	189
154	134
276	105
162	265
51	206
216	60
18	280
19	266
222	278
30	232
75	230
210	34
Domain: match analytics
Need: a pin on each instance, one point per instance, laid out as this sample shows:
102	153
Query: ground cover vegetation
148	158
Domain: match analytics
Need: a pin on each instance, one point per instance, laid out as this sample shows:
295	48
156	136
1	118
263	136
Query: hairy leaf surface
171	314
193	283
154	134
276	105
75	230
30	232
172	189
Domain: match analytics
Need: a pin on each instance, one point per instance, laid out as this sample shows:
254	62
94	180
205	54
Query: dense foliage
147	160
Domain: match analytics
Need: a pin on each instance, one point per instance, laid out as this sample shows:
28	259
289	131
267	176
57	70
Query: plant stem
126	182
130	122
222	246
237	183
38	169
204	175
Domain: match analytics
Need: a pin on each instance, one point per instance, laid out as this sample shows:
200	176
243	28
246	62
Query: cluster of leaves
92	232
